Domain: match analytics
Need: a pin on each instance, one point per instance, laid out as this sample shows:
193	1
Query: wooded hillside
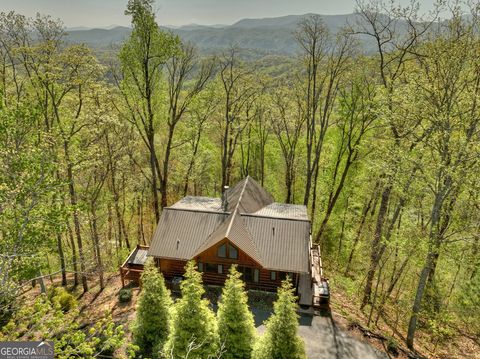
383	149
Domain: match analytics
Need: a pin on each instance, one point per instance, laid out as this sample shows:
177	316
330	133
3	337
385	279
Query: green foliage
45	320
469	303
235	320
392	346
145	52
440	328
27	220
152	325
60	296
125	295
194	328
281	339
67	126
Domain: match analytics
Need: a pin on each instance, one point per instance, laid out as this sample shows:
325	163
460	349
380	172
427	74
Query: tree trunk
333	201
192	161
417	304
375	248
96	246
314	194
166	164
76	219
433	251
74	254
154	188
62	259
365	211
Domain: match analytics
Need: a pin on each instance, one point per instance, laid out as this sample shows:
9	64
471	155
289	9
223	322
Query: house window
222	251
200	266
220	269
273	275
256	275
232	252
211	268
247	273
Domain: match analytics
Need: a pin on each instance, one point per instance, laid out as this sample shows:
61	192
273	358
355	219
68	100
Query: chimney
225	199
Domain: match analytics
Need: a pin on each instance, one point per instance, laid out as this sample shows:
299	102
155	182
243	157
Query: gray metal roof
180	232
283	244
234	229
284	210
196	203
275	235
248	196
139	256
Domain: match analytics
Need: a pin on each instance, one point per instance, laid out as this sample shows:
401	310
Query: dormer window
227	251
232	252
222	251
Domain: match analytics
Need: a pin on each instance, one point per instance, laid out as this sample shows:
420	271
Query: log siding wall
175	268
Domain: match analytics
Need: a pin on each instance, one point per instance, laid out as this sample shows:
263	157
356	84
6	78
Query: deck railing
130	273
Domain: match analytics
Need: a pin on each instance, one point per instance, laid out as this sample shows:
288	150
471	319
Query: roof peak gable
247	196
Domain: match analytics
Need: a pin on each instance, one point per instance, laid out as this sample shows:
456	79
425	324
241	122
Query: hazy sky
93	13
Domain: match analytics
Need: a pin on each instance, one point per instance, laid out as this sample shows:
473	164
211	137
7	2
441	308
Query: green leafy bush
125	295
236	326
44	320
194	331
152	324
64	299
281	339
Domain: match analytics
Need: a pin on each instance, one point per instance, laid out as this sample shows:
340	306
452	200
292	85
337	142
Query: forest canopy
382	147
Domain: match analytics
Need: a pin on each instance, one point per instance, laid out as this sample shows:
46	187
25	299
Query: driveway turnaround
324	339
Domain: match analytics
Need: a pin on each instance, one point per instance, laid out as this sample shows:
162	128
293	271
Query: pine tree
281	339
235	320
152	325
194	328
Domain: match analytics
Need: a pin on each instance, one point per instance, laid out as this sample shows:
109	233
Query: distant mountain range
266	35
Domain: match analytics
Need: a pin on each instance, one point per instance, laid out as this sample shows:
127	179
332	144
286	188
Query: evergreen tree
280	339
194	329
153	312
235	320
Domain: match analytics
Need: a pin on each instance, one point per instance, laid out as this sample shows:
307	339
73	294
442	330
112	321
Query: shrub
125	295
281	339
392	347
235	320
152	324
60	296
194	330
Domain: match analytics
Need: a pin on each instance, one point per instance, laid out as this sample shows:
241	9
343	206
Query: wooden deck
132	268
313	288
321	291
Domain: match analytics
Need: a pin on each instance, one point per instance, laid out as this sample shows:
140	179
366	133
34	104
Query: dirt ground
324	337
330	336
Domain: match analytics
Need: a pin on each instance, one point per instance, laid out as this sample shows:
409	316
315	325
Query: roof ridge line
196	210
235	211
234	215
273	217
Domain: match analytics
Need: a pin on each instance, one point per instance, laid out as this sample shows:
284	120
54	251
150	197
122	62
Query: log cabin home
266	239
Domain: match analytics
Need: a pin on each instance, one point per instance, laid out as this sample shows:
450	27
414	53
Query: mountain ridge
272	35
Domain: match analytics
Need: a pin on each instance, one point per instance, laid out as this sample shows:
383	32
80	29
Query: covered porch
132	268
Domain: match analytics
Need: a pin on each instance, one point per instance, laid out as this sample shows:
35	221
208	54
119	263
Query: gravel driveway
325	340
